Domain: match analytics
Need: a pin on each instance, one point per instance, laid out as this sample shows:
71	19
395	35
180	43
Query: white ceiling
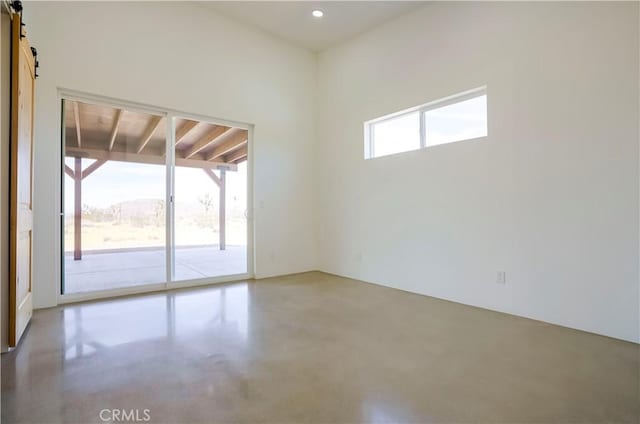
292	20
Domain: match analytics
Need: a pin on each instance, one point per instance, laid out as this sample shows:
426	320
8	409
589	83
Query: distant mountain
138	208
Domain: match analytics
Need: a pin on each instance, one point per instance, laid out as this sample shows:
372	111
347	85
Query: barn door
21	226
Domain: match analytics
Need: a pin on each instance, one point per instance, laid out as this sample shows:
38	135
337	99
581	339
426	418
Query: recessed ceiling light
317	13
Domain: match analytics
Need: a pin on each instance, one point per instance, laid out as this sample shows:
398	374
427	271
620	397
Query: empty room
320	212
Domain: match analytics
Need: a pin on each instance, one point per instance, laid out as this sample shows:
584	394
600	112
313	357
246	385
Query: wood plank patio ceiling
106	133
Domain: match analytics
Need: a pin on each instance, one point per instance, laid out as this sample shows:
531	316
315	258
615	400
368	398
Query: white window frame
369	148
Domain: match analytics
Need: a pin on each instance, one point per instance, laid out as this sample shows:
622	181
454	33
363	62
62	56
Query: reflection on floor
311	348
127	268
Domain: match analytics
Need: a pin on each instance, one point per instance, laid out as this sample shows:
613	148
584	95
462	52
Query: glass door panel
114	198
210	200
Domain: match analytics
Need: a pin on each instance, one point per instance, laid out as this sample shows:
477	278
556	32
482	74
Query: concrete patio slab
128	268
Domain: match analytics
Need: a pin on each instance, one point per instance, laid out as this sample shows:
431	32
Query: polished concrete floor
312	348
130	267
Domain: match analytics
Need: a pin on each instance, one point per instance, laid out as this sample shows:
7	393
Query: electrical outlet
501	278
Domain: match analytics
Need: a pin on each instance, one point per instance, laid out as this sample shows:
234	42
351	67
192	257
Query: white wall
185	57
550	196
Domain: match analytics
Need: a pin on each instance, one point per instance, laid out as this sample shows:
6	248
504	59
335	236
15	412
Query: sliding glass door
138	210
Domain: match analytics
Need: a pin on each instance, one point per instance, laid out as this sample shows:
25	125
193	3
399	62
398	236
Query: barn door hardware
17	9
34	52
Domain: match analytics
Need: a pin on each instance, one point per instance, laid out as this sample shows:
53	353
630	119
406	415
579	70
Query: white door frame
170	115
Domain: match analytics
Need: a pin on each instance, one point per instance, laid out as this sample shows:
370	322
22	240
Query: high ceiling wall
182	57
550	196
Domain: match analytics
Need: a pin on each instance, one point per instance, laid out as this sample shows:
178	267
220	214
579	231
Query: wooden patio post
221	214
77	212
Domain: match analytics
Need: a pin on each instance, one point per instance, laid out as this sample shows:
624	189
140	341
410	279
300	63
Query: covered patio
96	134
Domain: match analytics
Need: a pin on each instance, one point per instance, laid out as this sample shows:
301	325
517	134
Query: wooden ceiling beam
93	167
213	176
76	116
69	171
207	140
114	128
148	133
154	159
239	138
237	155
184	130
